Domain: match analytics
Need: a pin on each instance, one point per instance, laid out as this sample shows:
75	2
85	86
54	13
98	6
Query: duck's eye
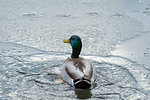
71	38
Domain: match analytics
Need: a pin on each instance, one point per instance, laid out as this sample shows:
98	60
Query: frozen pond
115	40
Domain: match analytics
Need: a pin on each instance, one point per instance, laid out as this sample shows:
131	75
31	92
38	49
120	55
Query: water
44	24
28	73
32	51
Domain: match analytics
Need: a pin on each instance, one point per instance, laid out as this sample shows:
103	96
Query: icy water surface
28	73
32	51
44	24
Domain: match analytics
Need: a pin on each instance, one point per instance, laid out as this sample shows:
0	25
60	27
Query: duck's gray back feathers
78	68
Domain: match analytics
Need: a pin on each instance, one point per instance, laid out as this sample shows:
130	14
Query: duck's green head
76	44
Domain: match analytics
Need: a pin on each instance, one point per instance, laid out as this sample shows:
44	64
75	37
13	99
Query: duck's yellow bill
67	41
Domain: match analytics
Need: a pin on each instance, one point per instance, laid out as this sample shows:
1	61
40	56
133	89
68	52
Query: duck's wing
65	75
79	68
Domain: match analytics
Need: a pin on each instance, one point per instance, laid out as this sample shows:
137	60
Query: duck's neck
76	51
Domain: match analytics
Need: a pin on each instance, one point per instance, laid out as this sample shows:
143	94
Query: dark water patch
33	16
118	15
94	14
65	15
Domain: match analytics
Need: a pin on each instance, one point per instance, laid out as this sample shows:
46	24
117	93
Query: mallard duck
77	71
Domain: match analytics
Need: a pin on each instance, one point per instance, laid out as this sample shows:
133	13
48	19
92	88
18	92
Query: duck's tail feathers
82	83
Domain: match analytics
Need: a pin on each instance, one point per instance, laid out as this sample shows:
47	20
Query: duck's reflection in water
83	94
